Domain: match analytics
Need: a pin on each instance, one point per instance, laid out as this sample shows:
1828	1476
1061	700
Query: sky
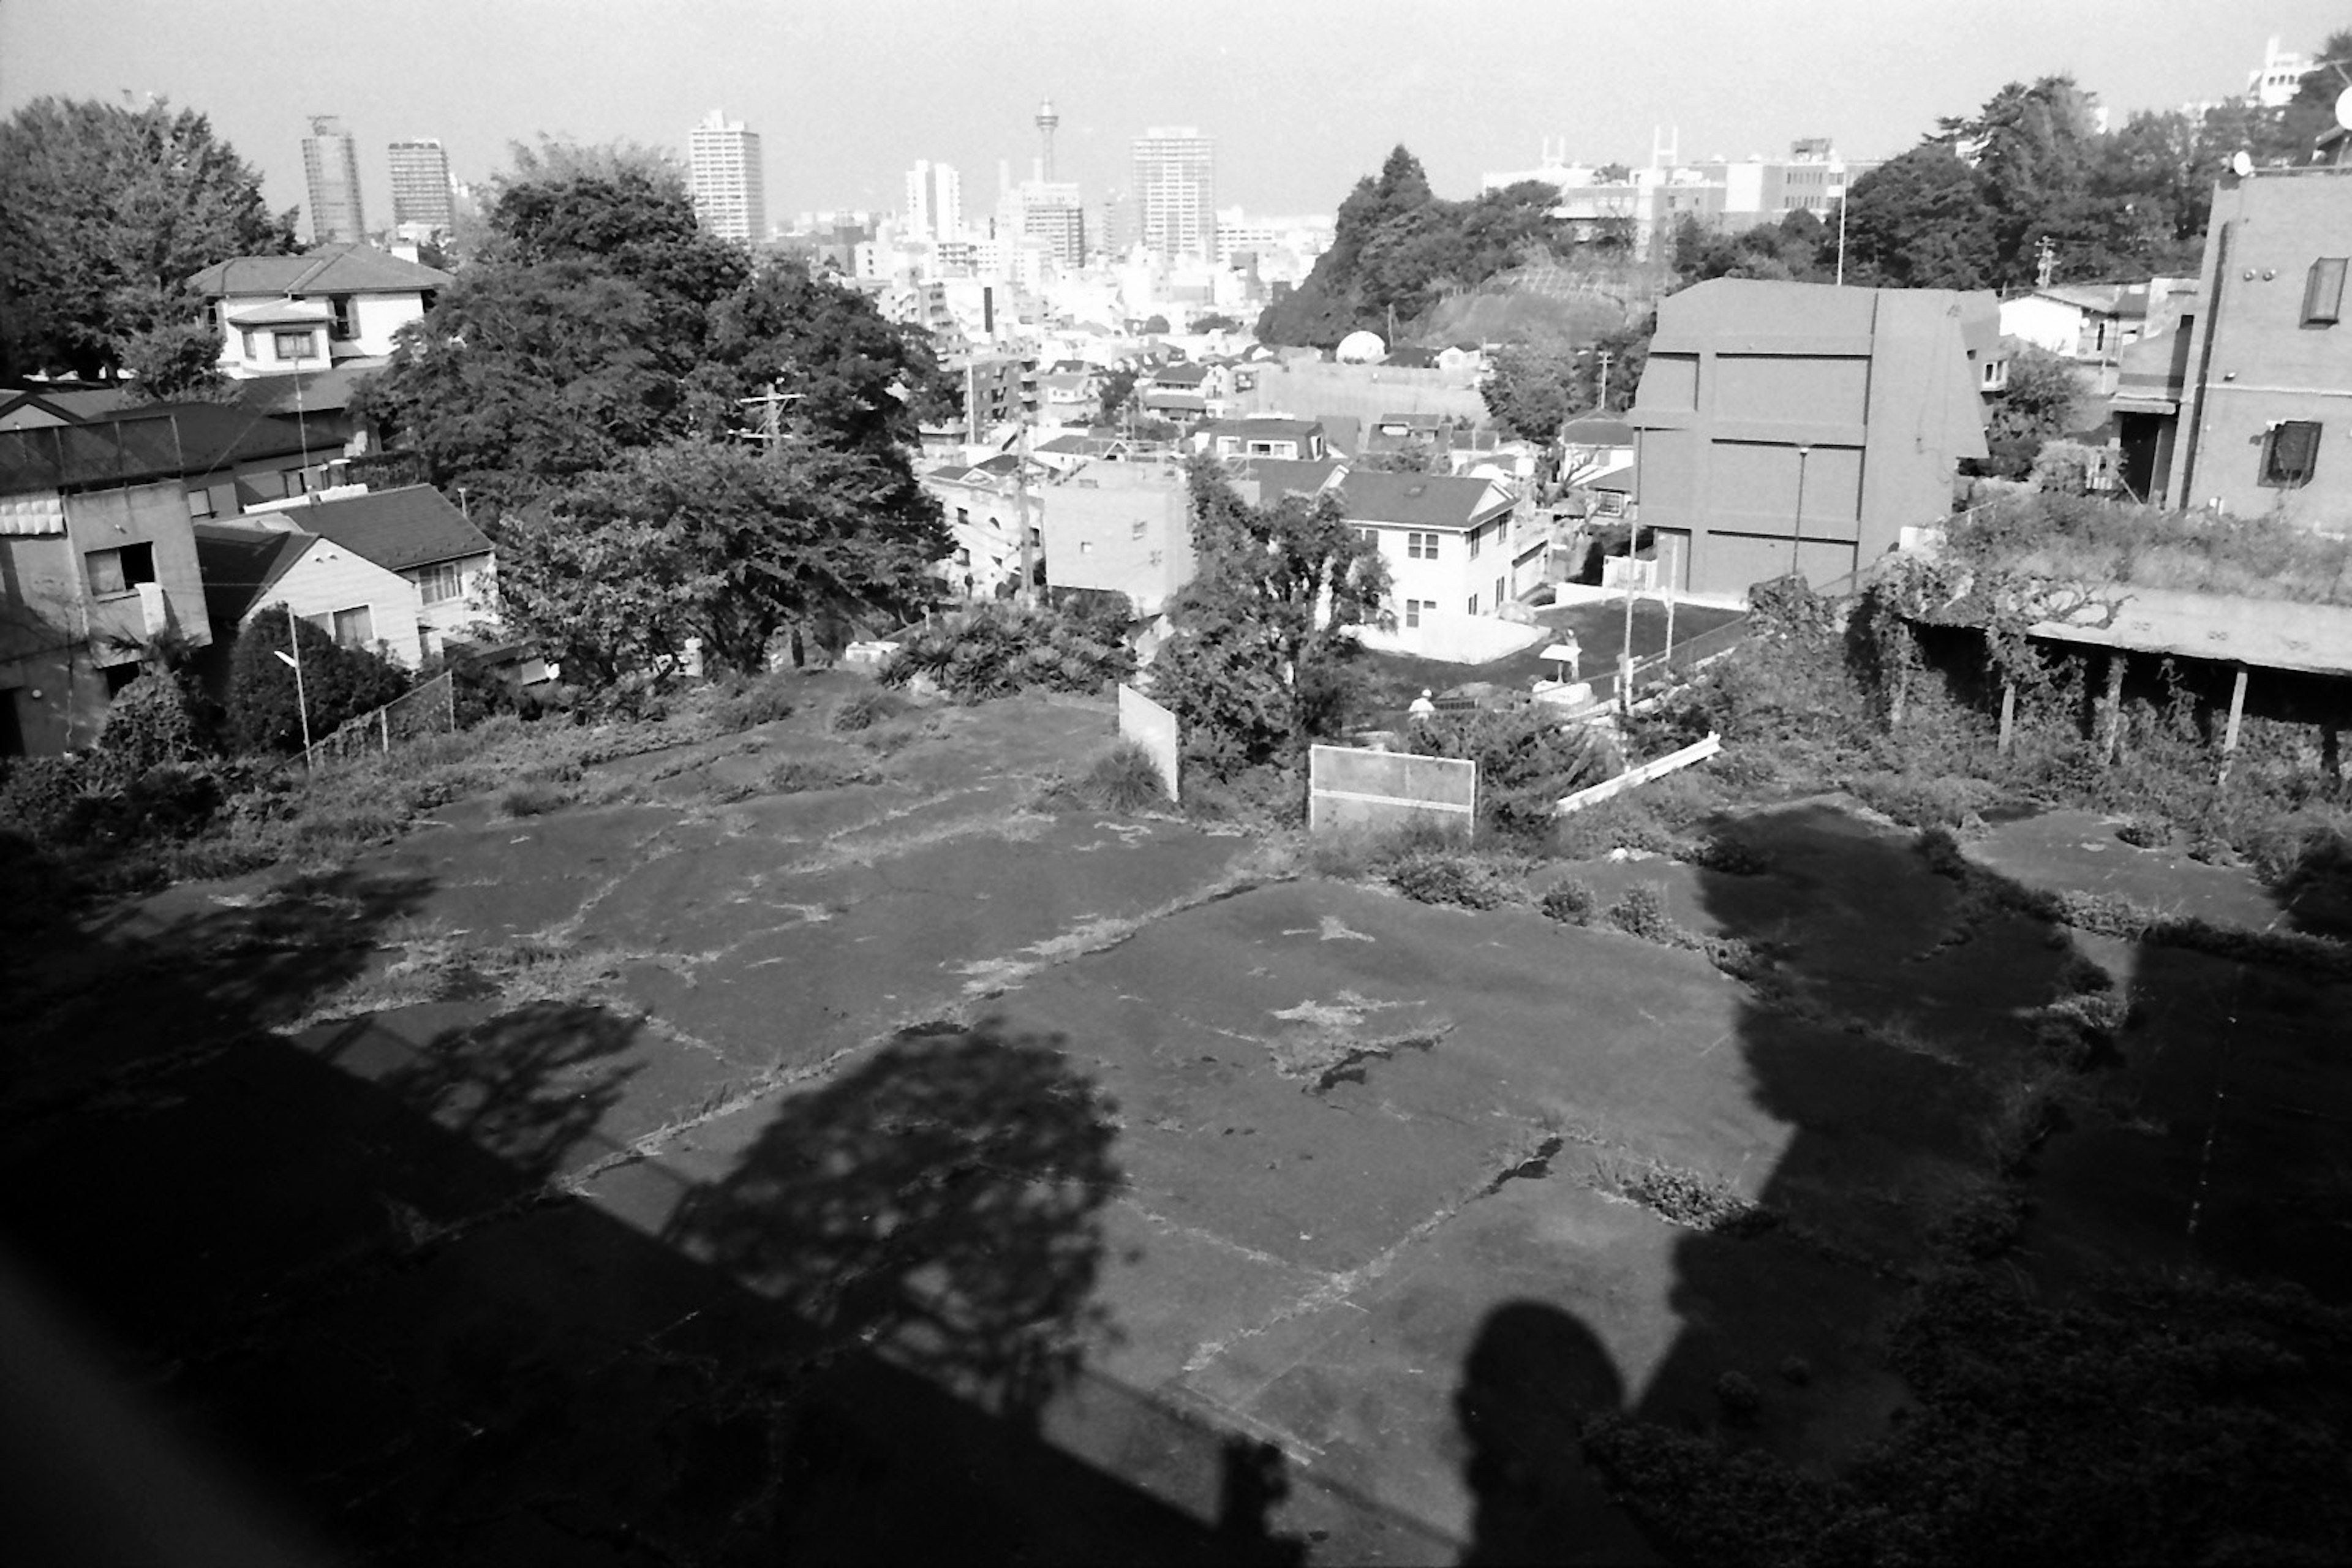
1302	97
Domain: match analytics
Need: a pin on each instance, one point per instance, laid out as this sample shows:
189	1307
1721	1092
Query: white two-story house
1446	540
334	305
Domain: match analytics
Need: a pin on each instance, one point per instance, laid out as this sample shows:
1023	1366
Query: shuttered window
2291	454
2322	293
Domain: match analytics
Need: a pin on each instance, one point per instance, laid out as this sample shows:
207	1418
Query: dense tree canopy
1399	247
1260	631
105	213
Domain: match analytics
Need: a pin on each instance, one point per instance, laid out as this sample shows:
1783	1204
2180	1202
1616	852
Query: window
1135	530
1499	592
346	317
438	582
1414	609
2291	453
1474	534
1155	558
252	343
963	516
120	570
200	503
2322	293
356	627
292	345
1421	546
1085	547
1473	605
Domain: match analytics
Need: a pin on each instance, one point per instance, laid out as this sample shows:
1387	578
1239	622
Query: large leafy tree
1253	668
569	340
702	540
2043	400
105	212
1920	221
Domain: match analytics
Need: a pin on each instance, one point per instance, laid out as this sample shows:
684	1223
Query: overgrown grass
2076	538
863	710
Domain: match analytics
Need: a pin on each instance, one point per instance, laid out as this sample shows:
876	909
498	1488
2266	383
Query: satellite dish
2241	163
2344	109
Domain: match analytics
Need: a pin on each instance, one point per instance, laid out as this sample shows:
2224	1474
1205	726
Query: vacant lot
744	1171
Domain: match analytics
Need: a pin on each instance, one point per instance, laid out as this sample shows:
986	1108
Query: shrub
1570	903
1742	1400
760	701
46	799
337	684
999	649
863	710
1641	911
795	775
151	721
1125	778
534	799
2147	832
1915	802
1527	759
1727	855
1457	877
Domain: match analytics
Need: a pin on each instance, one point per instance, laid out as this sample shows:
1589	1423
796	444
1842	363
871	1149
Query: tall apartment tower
934	201
331	162
421	191
1176	190
725	177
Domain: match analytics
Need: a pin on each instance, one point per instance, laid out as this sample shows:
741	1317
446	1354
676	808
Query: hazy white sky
1302	98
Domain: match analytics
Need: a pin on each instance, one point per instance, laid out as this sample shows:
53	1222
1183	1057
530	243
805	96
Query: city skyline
848	103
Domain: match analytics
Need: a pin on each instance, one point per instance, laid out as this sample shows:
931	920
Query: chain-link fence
429	710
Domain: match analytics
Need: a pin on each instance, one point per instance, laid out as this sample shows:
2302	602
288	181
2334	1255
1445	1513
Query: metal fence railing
428	709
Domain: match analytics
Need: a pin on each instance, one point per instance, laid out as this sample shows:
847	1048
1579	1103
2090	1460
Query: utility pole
1607	358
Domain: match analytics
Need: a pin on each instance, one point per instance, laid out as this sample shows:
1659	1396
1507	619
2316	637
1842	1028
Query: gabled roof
1420	500
398	530
1342	432
1281	476
1074	446
78	407
345	269
1265	427
240	564
1181	376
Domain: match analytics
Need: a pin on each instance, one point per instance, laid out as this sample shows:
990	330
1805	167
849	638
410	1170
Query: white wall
477	600
379	316
330	578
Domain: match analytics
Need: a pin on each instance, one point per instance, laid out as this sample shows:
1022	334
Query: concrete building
934	202
1121	527
333	305
1800	427
331	165
1176	190
725	176
97	553
2248	405
1051	213
422	192
1644	207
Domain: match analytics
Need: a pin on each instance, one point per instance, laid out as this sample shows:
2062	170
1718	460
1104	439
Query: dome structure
1359	348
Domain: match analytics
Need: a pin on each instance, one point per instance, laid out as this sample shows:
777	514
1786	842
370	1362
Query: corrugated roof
307	391
239	564
398	530
162	440
345	269
1420	500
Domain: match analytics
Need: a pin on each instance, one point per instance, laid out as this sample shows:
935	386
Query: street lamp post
1797	534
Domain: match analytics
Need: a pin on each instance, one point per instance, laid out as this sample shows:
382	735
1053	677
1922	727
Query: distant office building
934	201
1176	190
331	162
421	191
1048	212
1120	229
725	177
2274	83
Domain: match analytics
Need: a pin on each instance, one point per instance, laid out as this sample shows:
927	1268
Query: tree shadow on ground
1534	1378
346	1282
939	1202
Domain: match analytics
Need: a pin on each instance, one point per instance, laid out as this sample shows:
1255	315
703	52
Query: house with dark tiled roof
332	304
400	571
1446	540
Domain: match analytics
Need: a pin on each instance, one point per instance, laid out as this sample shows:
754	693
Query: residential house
1262	480
1292	440
2092	323
2242	408
400	571
1182	393
97	559
1593	447
1446	540
334	304
1124	527
1800	427
982	508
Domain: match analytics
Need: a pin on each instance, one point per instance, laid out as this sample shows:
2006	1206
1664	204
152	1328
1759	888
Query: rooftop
239	562
400	529
345	269
1421	500
162	441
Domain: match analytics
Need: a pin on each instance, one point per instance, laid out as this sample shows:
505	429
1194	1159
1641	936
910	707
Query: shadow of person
1533	1378
1253	1482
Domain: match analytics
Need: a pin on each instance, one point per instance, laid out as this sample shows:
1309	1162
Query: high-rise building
725	180
331	162
1047	211
421	191
934	201
1176	190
